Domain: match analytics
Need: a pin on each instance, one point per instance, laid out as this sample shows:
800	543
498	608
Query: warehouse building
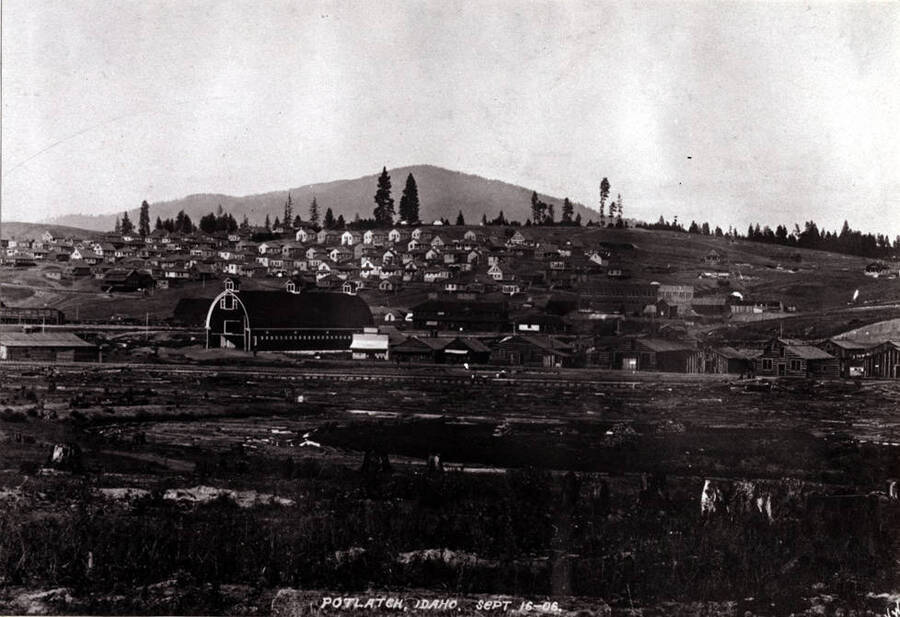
284	320
46	347
29	315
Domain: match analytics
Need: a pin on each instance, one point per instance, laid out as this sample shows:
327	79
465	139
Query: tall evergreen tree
118	228
535	207
288	211
460	220
567	210
268	224
604	195
144	219
314	211
328	222
159	224
127	225
409	201
384	203
551	214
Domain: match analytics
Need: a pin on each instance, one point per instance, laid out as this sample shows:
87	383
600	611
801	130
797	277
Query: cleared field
206	482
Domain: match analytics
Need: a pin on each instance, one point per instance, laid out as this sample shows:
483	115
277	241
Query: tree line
848	241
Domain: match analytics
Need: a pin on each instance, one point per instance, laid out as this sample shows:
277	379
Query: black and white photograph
496	308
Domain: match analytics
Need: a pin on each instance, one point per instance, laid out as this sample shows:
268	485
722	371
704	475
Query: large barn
285	320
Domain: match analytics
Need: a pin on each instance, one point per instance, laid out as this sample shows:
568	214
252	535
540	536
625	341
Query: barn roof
280	309
42	339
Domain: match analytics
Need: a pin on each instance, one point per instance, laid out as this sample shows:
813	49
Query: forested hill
442	193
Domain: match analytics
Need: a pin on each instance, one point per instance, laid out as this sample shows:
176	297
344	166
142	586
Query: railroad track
296	374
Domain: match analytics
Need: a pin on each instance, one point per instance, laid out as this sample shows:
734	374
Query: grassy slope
31	231
822	284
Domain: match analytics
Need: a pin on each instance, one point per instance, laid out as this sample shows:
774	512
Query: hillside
442	193
31	231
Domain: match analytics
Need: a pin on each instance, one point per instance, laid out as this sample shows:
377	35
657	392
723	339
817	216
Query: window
227	303
767	364
795	365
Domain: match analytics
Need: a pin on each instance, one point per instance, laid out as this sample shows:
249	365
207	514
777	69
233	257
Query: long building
285	320
46	347
26	315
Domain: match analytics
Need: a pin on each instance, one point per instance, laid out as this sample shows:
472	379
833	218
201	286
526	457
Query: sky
727	112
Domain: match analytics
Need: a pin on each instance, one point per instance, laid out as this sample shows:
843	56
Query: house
883	361
340	254
350	238
851	355
396	236
532	350
517	239
375	237
370	345
466	350
328	237
712	257
419	349
791	358
126	281
432	275
305	234
394	316
726	359
47	347
655	354
283	321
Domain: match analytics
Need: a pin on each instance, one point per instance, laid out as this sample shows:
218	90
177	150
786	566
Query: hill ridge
442	192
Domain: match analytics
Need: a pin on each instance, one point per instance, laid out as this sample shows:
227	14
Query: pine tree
314	212
578	219
567	210
298	222
276	224
144	219
384	203
340	223
127	225
604	195
118	227
551	214
409	201
328	222
535	208
288	211
159	224
619	222
484	220
268	223
459	219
